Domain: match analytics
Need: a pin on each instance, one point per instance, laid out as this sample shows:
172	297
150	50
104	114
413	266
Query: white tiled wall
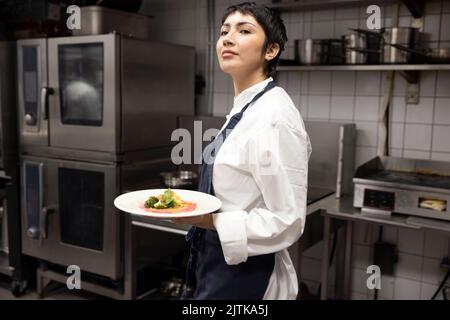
416	131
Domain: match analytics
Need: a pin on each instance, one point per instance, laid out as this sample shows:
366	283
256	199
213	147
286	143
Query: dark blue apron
207	270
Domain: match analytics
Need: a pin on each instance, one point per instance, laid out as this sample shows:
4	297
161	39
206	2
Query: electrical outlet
412	93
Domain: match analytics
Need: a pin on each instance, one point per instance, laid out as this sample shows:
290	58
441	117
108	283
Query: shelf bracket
411	76
416	7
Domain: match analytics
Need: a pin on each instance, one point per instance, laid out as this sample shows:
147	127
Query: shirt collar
247	95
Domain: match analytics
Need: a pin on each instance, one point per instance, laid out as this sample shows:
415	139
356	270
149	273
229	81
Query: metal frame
369	67
410	72
414	6
342	210
80	136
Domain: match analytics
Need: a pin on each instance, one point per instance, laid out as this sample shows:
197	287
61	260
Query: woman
257	166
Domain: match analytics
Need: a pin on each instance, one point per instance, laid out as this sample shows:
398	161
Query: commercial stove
385	185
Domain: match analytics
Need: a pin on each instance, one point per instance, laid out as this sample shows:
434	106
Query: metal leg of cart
325	253
343	269
130	284
348	261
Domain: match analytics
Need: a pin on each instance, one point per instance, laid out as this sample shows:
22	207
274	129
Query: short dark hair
272	24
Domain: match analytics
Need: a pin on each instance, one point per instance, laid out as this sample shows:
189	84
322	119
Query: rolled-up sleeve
278	162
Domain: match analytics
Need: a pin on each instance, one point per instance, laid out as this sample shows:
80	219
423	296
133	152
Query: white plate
130	202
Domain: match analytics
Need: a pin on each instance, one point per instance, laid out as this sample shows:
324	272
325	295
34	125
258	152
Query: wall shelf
408	71
374	67
414	6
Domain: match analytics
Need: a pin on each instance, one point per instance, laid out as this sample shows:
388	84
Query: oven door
33	91
84	75
77	223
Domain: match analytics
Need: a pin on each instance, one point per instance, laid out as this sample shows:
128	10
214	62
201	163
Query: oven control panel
383	200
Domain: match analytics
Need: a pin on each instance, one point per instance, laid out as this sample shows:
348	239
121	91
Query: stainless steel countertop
338	208
343	209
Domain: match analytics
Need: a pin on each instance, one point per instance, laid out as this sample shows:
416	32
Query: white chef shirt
260	175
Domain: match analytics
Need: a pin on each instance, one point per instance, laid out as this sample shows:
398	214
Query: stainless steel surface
33	128
316	194
309	51
140	95
50	246
152	100
325	4
405	36
183	179
403	185
331	162
82	136
117	178
438	55
355	56
355	40
363	46
100	20
325	254
83	155
44	276
170	229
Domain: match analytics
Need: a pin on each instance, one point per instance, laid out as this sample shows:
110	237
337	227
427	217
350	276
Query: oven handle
43	223
45	92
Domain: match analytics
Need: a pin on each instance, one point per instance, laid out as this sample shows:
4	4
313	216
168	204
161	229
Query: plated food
169	202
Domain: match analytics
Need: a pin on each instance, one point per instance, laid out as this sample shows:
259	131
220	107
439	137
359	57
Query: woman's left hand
204	221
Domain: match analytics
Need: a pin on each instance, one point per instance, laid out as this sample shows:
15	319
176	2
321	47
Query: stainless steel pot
367	41
354	44
355	40
436	55
355	56
309	51
405	37
182	179
319	51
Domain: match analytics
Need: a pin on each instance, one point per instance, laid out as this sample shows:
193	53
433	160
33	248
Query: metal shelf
379	67
414	6
293	5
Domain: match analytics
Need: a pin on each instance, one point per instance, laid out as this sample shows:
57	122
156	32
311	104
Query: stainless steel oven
68	216
103	93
